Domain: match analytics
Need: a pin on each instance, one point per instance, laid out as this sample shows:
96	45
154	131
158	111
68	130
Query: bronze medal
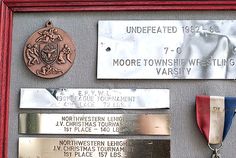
49	52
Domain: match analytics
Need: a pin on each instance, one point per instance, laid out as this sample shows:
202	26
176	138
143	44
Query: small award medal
214	117
49	52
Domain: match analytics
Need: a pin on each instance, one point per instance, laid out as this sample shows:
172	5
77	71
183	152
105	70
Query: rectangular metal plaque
92	148
167	49
60	98
109	124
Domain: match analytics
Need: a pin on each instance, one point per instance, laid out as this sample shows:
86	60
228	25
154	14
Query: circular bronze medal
49	52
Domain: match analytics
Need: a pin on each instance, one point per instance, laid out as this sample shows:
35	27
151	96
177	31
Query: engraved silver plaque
94	98
167	49
109	124
92	148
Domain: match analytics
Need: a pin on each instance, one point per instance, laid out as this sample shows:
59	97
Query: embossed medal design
49	52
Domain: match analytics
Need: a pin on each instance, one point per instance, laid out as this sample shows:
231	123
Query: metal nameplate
109	124
60	98
167	49
92	148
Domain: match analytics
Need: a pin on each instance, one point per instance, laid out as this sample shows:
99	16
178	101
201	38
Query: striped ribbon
214	116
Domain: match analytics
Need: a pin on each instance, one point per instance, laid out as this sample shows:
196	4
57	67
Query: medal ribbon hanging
214	117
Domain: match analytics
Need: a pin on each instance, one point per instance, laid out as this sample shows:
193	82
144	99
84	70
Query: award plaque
65	98
166	49
93	147
149	57
99	124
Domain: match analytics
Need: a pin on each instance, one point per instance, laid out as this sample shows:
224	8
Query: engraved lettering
126	62
173	71
151	29
164	62
96	148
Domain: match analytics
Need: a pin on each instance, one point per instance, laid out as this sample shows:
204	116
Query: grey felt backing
186	140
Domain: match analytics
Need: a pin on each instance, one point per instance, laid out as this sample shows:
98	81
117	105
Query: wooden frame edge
117	5
5	57
8	7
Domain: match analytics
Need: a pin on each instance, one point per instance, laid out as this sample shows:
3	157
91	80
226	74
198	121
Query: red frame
8	7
